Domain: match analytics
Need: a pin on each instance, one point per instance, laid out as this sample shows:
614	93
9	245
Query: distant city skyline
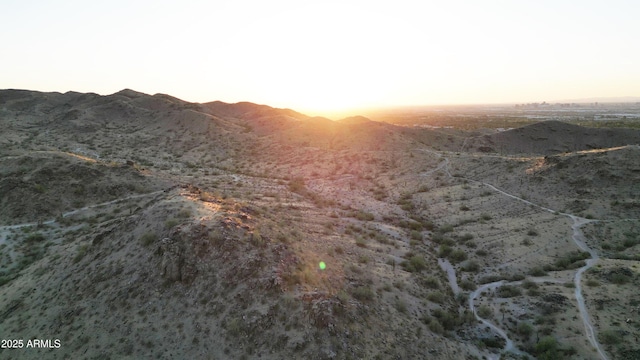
326	57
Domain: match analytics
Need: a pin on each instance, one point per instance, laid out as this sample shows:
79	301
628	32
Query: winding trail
72	212
578	238
509	347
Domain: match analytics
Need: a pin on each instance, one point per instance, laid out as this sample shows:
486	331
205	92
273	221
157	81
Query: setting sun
327	57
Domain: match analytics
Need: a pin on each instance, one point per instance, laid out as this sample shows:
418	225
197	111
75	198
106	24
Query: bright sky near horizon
324	56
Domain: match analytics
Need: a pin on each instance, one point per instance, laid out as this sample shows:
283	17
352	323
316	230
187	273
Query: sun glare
330	57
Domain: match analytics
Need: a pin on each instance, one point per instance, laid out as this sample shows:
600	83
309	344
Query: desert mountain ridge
144	226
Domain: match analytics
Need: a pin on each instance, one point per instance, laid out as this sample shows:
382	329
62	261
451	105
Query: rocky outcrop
176	263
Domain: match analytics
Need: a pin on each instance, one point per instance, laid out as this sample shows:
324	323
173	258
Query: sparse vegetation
507	291
308	233
363	293
485	312
416	263
80	253
148	238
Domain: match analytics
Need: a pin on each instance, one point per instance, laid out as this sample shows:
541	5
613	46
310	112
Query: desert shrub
630	242
493	342
383	240
418	262
461	299
386	287
449	321
392	262
467	285
34	238
572	260
416	235
234	326
485	217
435	326
466	237
406	265
490	278
428	225
457	256
446	241
430	282
401	306
482	252
620	279
533	292
361	242
82	251
411	225
170	223
547	349
525	329
352	229
464	208
537	271
610	337
364	216
257	239
444	251
471	266
342	297
184	214
297	185
592	283
407	206
436	297
485	312
507	291
363	293
532	232
148	238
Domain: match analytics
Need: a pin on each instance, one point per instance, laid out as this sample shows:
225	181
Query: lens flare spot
322	265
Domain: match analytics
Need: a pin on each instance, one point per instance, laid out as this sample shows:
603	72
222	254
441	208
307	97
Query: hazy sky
317	56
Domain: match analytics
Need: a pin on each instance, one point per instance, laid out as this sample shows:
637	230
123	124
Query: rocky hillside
554	137
143	226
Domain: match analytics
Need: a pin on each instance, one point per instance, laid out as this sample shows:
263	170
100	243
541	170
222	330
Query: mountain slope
143	226
552	137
